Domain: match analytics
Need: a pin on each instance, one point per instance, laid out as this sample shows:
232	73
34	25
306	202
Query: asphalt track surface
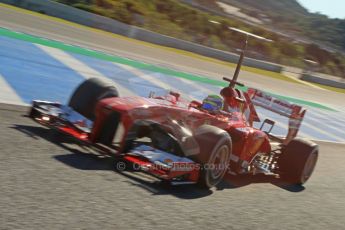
48	182
43	26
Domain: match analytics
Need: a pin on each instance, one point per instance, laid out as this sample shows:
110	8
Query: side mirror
267	125
151	94
240	100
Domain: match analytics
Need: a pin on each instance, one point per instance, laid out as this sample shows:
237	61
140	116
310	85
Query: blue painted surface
304	128
336	119
33	74
335	129
138	85
277	129
190	89
121	76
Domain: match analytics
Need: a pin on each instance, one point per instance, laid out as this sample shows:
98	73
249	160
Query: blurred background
311	41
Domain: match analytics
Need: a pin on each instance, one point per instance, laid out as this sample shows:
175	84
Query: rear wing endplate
294	112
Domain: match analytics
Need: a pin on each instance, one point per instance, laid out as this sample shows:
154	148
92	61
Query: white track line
197	89
308	84
147	77
161	84
154	80
329	142
334	117
336	128
284	126
81	68
7	94
197	86
295	78
337	138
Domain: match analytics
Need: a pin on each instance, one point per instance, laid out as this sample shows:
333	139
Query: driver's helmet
212	103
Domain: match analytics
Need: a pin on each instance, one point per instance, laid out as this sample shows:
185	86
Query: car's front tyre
215	149
87	95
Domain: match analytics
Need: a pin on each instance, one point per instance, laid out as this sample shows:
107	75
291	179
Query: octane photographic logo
185	167
120	166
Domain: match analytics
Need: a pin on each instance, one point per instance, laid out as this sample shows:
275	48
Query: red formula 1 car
183	141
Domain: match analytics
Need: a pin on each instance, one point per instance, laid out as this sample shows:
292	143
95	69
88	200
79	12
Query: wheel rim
217	165
309	166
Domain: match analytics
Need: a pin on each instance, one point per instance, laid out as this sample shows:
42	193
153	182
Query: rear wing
294	112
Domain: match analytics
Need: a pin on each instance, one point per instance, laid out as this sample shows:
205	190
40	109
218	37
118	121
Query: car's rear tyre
298	160
88	93
215	149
